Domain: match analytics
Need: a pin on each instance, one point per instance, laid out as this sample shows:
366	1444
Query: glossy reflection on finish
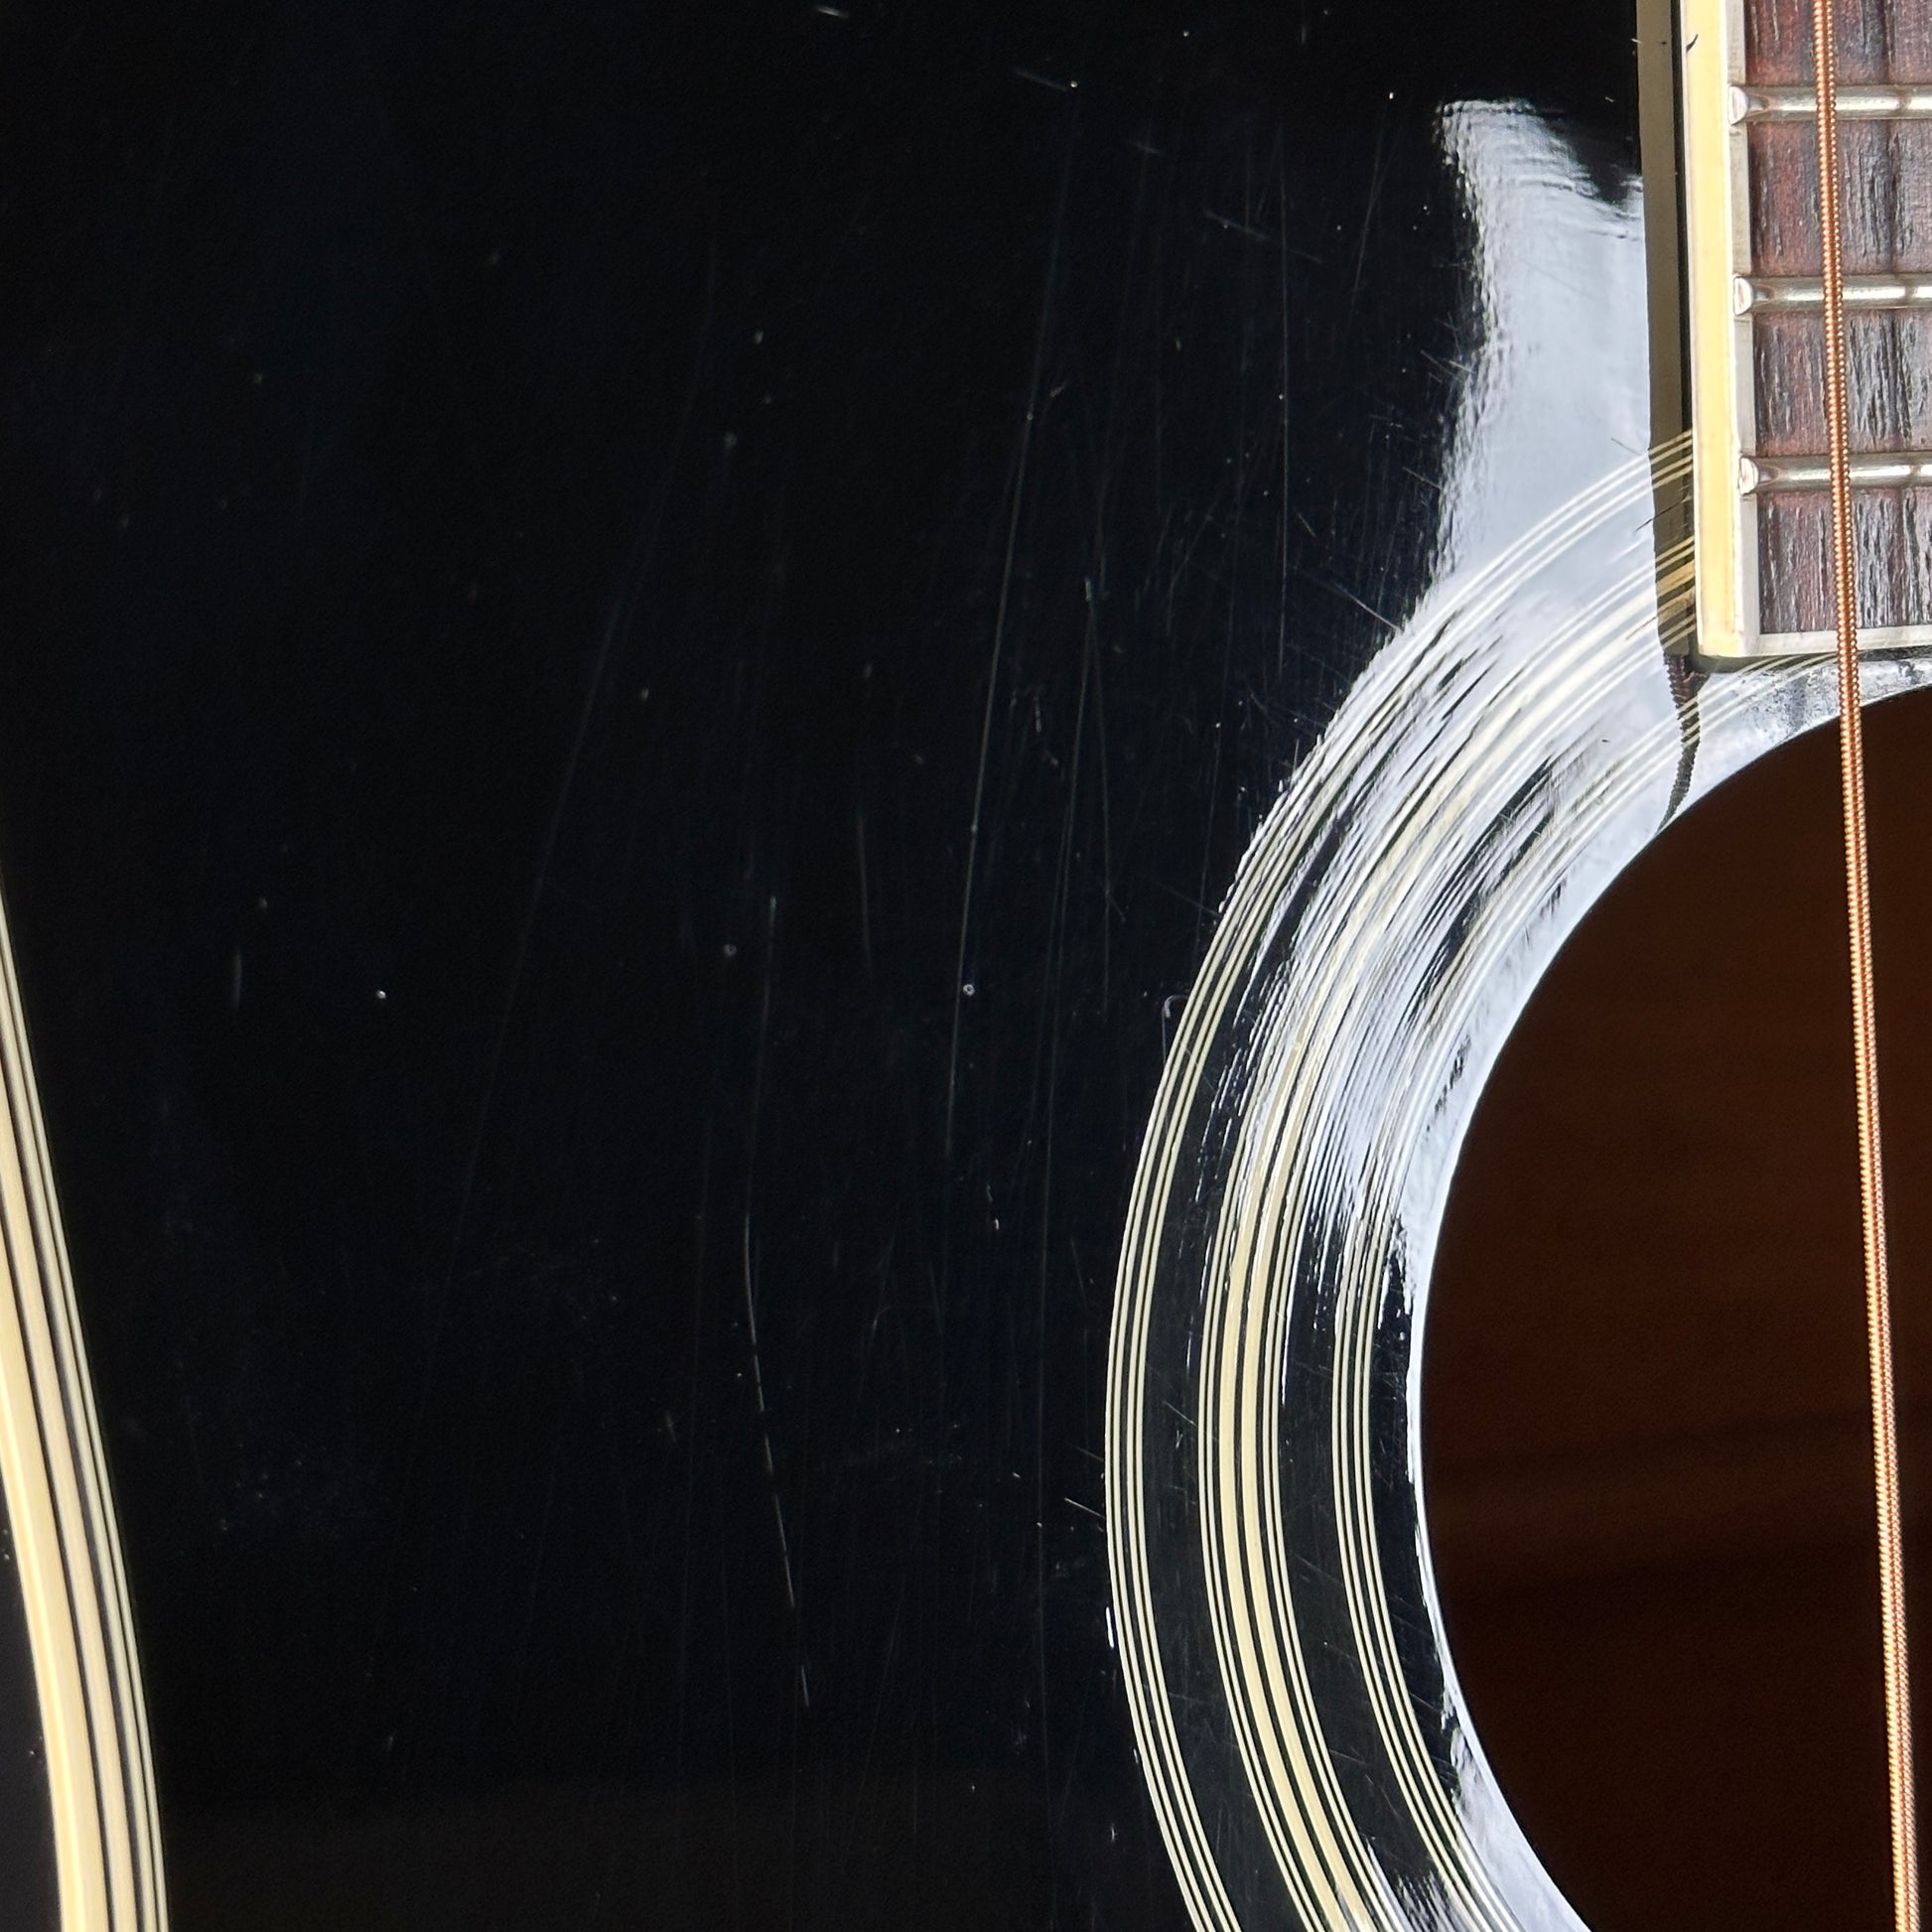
1509	752
643	650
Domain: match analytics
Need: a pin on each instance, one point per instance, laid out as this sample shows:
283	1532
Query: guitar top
643	648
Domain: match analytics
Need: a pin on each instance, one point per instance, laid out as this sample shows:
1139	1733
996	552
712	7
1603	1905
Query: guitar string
1885	1425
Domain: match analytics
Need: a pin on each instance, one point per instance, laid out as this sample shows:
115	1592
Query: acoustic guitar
773	782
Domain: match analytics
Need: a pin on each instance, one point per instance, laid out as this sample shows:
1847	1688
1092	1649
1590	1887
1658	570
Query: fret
1853	104
1753	323
1759	473
1758	294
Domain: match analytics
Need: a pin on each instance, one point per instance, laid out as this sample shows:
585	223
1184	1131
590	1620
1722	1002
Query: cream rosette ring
1308	1753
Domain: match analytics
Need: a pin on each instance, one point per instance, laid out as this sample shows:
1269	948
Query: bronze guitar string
1885	1426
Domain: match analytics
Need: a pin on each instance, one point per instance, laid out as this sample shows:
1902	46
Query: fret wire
1802	293
1876	470
1863	102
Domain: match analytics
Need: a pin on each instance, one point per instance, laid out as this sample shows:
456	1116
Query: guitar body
770	781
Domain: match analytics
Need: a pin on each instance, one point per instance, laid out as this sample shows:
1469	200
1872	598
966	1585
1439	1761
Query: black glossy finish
26	1879
640	641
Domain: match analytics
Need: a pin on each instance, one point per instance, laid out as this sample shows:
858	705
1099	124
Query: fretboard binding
1756	295
1866	104
1876	470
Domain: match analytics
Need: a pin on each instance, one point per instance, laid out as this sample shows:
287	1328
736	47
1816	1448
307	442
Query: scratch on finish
1376	175
1233	226
865	892
999	645
1343	592
748	1270
1049	1047
1287	480
1098	580
637	569
764	1443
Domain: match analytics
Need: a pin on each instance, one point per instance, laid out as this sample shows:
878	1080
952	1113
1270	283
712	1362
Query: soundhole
1647	1436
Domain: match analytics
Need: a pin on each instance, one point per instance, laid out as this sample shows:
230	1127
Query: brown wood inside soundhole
1645	1427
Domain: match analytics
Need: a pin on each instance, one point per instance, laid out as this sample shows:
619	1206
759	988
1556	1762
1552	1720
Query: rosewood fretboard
1755	326
1884	56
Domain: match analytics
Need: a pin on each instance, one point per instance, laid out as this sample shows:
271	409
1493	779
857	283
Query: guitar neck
1748	294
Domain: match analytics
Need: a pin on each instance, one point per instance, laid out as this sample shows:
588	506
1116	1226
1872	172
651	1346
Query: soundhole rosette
1306	1749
